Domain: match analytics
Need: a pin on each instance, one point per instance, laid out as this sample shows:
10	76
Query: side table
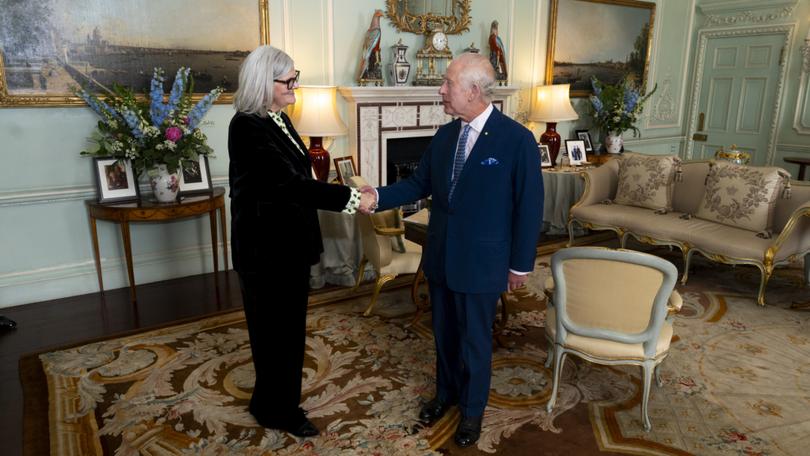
148	211
803	162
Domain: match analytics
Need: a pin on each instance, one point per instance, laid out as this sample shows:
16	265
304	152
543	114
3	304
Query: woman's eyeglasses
290	83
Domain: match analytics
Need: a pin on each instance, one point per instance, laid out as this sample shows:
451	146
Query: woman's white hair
256	75
477	72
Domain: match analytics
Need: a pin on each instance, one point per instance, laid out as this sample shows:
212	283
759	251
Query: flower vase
614	142
165	185
400	69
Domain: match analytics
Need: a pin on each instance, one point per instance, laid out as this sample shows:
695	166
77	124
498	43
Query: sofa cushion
647	180
742	196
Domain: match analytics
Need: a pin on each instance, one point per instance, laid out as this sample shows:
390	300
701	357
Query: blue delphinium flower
99	106
597	89
597	104
630	99
157	109
178	88
134	123
201	108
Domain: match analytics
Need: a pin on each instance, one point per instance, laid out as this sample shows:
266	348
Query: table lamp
315	115
551	104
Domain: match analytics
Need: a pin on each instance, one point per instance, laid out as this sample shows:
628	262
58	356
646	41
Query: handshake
368	199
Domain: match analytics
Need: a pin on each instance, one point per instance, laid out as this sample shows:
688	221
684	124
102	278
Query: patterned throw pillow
647	180
742	196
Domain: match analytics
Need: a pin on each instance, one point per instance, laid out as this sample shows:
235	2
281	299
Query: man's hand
368	201
516	281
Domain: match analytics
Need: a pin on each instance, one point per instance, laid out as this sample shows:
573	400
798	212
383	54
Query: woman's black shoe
296	423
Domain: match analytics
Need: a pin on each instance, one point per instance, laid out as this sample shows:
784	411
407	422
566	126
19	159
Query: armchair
611	307
380	233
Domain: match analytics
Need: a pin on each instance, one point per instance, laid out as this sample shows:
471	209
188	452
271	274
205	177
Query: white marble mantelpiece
377	114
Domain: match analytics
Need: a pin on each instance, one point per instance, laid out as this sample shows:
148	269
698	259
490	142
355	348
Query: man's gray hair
477	71
256	75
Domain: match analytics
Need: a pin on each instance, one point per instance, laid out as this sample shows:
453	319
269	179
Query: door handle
700	136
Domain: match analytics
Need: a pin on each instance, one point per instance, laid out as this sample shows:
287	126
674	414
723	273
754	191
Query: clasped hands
368	199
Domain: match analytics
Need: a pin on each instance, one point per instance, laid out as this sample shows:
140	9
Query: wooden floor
60	322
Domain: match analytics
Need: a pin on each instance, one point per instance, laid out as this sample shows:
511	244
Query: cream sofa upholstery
722	243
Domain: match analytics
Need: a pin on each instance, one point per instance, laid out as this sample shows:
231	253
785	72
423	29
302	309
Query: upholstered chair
611	307
384	246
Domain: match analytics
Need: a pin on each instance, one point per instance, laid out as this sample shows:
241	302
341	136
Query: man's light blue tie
458	163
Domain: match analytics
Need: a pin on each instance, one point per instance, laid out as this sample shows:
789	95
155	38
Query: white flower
169	145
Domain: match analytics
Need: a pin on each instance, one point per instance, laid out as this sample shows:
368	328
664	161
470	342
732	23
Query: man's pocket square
490	161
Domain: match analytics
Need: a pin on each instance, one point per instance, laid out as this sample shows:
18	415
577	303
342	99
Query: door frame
703	40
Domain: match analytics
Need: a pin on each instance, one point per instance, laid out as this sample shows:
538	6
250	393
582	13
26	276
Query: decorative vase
165	185
614	142
400	69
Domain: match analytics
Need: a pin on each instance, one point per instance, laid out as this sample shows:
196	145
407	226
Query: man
483	171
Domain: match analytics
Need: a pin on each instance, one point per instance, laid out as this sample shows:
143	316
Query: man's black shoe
433	411
7	323
468	431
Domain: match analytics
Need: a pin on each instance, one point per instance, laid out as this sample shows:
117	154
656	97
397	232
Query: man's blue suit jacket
493	221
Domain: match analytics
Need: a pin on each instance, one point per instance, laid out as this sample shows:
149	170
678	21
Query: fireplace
390	127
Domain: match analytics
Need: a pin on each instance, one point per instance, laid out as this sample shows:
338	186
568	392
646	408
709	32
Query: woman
275	234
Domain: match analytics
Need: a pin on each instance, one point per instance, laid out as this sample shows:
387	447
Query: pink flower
174	134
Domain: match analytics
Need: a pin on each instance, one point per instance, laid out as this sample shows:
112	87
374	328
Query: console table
148	211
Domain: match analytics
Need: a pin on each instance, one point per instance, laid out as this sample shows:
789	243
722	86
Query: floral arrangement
151	132
616	108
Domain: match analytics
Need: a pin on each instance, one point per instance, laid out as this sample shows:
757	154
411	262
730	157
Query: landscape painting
608	39
49	46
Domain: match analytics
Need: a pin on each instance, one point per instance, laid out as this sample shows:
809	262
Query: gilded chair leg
623	236
765	275
658	380
559	357
645	398
360	270
570	233
687	259
380	282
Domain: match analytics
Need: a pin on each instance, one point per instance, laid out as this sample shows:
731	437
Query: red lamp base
551	139
319	157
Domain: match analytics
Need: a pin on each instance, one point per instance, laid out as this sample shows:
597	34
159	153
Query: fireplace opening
403	155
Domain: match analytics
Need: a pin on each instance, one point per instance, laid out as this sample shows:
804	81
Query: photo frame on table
585	135
576	151
344	167
58	44
195	176
115	180
545	156
621	47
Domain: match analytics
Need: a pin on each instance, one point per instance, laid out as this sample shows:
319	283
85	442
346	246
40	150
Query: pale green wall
45	249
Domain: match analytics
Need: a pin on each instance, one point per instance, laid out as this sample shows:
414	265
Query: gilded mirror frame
425	23
60	98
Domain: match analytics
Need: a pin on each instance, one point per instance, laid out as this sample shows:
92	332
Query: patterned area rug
735	383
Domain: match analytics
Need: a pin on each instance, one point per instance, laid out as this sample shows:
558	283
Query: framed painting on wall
49	46
608	39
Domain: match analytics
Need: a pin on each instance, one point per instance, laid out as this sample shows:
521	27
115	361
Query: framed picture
545	156
195	176
344	166
50	46
584	135
576	151
115	180
604	38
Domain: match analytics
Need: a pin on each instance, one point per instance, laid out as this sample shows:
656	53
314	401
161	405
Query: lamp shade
551	103
315	112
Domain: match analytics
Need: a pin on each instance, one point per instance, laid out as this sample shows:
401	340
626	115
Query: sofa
761	219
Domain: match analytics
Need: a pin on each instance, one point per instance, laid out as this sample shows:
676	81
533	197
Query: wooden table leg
128	255
212	217
96	256
224	227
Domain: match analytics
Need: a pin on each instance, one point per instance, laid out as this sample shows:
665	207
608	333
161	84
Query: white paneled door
738	91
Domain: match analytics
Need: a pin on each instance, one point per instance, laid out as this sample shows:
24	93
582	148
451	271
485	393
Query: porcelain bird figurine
370	69
497	53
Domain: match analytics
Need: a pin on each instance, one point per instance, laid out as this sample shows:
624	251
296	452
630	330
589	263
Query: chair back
376	248
618	295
